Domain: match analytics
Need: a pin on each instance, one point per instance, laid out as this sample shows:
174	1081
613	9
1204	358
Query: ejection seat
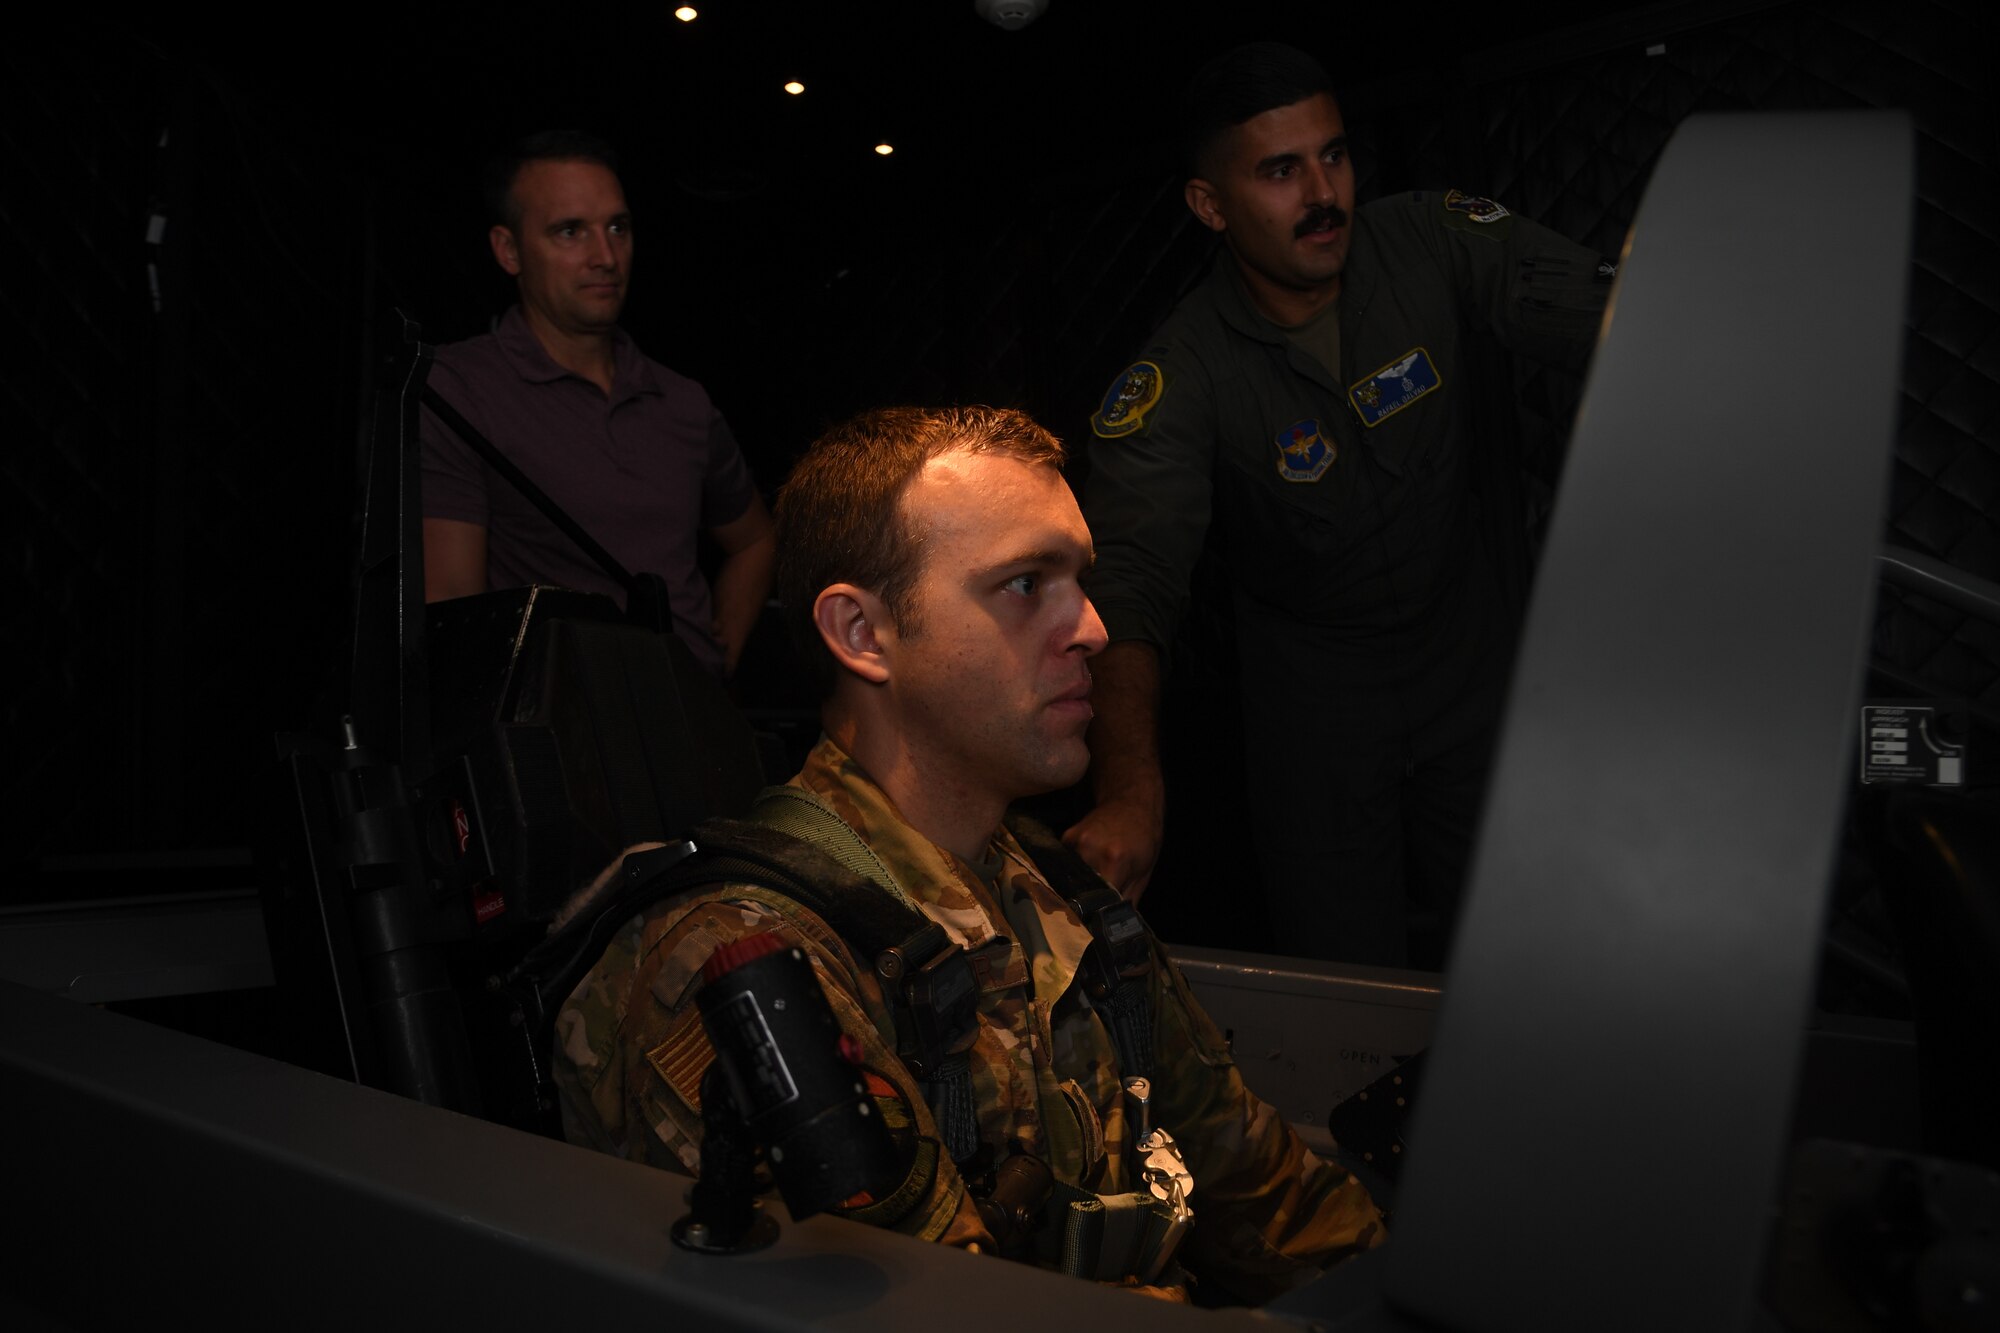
496	752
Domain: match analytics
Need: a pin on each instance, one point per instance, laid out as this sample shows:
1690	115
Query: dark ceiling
745	196
719	157
962	100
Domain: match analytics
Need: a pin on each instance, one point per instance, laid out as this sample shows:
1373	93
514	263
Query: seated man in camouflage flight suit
933	558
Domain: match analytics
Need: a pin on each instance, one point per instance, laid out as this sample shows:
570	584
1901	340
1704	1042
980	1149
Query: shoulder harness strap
1118	967
802	815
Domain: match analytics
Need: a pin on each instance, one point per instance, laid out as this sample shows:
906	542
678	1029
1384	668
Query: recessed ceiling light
687	13
885	149
795	87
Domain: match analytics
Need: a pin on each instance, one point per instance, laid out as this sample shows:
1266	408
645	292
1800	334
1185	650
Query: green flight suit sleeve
1148	498
1538	292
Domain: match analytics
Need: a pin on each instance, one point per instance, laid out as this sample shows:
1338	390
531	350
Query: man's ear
848	619
506	250
1202	202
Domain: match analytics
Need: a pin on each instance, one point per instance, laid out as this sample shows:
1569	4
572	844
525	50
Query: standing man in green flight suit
1304	414
932	563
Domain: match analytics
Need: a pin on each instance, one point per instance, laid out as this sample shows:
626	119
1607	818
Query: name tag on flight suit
1394	387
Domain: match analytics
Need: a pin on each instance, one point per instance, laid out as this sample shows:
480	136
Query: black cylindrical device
796	1077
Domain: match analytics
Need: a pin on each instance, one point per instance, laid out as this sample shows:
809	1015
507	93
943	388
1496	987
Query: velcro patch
1304	451
1132	395
1394	387
1473	207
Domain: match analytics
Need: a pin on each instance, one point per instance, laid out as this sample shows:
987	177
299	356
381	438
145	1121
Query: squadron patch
1132	395
1304	451
1394	387
1474	207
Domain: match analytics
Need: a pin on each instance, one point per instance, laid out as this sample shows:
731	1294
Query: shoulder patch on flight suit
1132	395
1394	387
1474	208
1304	451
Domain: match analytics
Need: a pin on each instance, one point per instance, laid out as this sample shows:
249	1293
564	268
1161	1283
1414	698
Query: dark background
183	405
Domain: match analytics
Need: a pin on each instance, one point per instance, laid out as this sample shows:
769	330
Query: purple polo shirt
643	470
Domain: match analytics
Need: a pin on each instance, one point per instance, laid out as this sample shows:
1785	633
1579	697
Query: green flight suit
1369	624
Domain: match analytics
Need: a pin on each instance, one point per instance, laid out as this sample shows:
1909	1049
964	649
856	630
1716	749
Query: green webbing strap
1082	1236
1132	1027
1110	1237
906	1198
798	813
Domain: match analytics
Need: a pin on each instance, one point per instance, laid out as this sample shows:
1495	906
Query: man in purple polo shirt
634	452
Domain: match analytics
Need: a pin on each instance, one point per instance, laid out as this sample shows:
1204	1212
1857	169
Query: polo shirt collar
532	362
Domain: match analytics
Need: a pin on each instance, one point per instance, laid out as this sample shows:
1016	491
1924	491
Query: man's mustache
1320	218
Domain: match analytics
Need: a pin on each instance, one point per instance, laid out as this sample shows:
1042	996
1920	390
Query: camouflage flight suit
630	1053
